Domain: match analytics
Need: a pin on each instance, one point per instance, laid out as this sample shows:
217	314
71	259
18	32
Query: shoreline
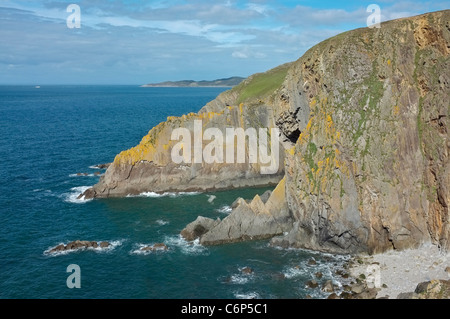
400	272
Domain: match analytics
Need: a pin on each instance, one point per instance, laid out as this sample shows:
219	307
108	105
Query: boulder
247	271
312	284
328	286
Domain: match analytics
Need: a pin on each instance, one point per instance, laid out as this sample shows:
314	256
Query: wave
249	295
224	209
296	271
240	279
186	247
140	251
112	245
76	192
162	222
157	195
85	175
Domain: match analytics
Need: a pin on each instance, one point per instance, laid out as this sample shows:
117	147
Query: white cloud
247	52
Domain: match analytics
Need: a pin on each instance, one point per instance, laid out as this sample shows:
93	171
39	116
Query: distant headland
228	82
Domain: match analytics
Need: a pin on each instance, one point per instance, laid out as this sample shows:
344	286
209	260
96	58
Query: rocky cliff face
364	130
370	170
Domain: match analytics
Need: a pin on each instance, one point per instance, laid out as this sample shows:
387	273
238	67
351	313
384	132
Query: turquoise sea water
48	135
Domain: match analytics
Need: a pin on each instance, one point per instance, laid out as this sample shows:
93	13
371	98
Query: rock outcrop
79	245
251	221
363	121
261	218
434	289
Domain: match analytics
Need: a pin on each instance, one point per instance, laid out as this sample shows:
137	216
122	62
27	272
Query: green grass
262	84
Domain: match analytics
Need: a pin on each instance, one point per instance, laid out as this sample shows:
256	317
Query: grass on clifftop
262	85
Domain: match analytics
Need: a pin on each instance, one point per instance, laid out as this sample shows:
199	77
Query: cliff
370	170
363	121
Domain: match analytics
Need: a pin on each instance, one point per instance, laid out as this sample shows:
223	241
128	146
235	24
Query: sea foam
76	192
157	195
186	247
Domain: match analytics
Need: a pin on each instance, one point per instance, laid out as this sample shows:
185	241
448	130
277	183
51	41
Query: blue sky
137	41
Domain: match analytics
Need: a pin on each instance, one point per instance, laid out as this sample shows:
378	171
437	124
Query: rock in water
198	228
252	221
155	247
328	286
78	245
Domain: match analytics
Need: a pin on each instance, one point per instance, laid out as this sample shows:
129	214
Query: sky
137	42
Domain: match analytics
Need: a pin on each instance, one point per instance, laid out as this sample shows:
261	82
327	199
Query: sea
52	138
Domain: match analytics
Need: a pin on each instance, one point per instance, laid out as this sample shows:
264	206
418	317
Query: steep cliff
370	170
363	120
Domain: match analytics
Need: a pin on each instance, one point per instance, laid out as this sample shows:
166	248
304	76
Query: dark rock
333	296
58	248
102	166
346	295
104	244
347	288
79	244
312	262
97	173
265	197
89	193
407	295
247	271
369	293
318	275
312	284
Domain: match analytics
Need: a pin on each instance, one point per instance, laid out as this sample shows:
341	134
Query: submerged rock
78	245
155	247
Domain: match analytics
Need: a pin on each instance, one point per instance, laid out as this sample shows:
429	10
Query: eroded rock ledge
248	221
